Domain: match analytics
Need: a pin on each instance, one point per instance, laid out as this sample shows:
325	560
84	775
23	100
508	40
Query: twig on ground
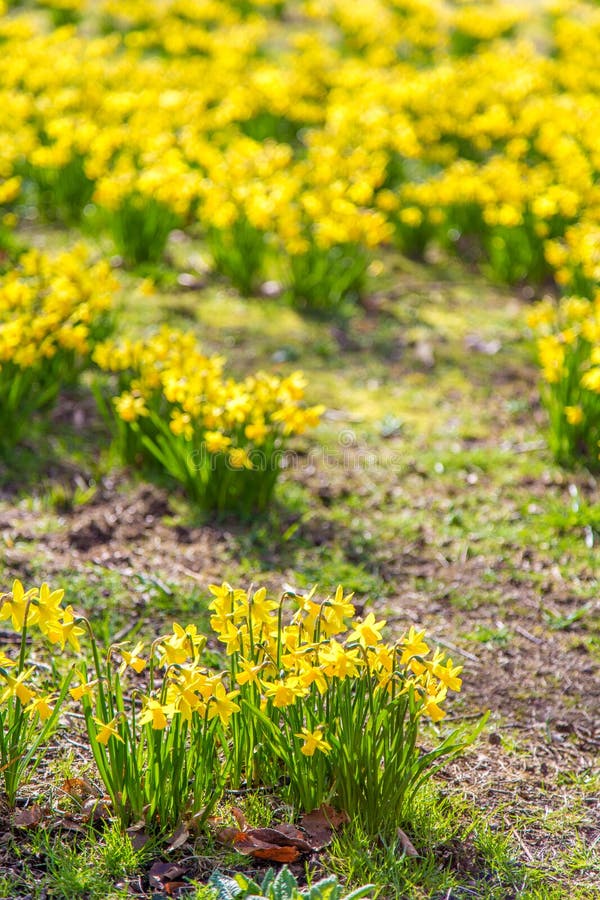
528	635
444	643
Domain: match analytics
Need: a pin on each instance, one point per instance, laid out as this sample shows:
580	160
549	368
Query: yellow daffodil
133	659
16	687
65	630
445	671
181	645
284	693
435	695
248	673
41	706
574	415
367	632
313	740
83	689
340	662
156	714
222	704
17	605
413	644
107	730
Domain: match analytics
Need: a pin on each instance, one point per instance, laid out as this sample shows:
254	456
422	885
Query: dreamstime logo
347	438
346	455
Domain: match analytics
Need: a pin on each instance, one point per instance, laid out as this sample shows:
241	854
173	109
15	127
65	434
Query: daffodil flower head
107	730
313	741
18	607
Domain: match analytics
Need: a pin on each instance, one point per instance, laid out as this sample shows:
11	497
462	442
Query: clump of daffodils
322	641
302	677
53	310
30	702
222	439
475	24
35	610
307	693
568	343
335	708
245	187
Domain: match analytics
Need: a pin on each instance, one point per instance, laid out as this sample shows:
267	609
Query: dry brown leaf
213	820
291	831
408	848
276	854
173	887
29	817
161	872
272	837
239	817
320	824
95	809
272	844
179	838
78	788
228	834
282	844
137	834
139	840
70	824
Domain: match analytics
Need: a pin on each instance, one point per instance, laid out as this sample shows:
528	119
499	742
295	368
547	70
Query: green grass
95	865
458	853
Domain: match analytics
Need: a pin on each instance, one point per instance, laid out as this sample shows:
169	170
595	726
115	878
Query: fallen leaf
78	788
276	854
320	824
139	840
160	873
70	824
213	820
273	837
228	834
335	818
29	817
273	844
95	809
239	817
173	887
290	831
285	843
137	834
408	848
179	838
